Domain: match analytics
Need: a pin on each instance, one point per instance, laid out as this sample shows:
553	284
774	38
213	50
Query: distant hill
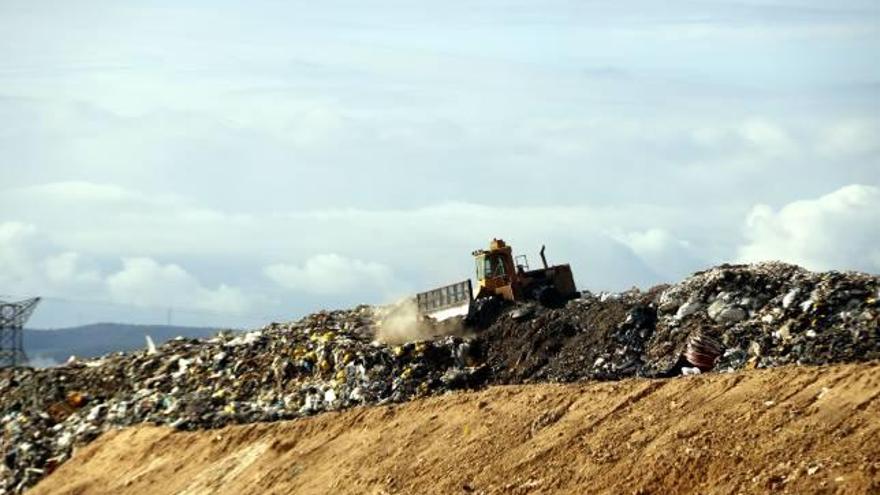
49	347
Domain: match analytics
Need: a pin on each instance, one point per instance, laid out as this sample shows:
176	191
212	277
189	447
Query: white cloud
663	252
33	265
146	282
752	139
400	249
835	231
15	259
21	251
12	231
65	268
187	229
82	191
94	194
767	137
421	144
652	241
850	137
706	32
331	274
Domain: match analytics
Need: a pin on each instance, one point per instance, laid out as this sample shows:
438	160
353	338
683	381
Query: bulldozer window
490	267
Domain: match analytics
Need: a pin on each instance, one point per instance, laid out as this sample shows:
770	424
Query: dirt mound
786	430
564	344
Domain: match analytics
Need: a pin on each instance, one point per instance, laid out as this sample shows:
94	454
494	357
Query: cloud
146	282
860	137
835	231
16	259
219	169
332	274
66	269
83	191
33	265
767	137
224	262
401	249
751	139
87	194
667	255
25	259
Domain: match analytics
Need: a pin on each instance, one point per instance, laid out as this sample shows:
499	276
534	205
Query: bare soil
783	430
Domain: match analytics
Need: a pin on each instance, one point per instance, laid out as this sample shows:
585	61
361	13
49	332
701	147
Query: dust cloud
41	361
401	322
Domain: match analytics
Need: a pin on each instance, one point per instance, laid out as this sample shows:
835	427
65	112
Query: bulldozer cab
491	266
496	273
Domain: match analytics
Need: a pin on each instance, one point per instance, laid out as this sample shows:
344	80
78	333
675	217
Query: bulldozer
502	278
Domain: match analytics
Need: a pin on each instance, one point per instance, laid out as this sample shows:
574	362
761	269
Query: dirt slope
791	429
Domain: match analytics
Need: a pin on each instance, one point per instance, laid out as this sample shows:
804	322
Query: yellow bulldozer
501	277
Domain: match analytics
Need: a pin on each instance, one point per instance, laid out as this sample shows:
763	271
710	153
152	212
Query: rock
688	309
789	297
723	312
783	333
523	312
732	315
668	303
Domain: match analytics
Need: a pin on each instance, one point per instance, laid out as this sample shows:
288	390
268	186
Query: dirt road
785	430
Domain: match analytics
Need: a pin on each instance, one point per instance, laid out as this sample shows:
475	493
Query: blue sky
248	160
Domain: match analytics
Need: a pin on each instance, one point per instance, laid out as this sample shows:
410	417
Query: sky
231	163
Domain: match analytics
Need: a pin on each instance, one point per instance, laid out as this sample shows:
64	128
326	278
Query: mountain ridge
47	347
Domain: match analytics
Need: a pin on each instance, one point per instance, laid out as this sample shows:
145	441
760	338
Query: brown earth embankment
786	430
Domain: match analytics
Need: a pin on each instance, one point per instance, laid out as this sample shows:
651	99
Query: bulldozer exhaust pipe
544	258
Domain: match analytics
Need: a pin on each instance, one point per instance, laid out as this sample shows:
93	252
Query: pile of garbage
727	318
323	362
594	337
772	314
724	319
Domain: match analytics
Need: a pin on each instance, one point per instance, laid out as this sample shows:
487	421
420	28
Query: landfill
720	320
726	318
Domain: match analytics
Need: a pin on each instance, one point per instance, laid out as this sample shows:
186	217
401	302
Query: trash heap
324	362
598	336
727	318
772	314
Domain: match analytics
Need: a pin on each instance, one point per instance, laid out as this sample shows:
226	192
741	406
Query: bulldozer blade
447	301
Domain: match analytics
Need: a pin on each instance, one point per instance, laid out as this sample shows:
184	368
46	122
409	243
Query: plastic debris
690	371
